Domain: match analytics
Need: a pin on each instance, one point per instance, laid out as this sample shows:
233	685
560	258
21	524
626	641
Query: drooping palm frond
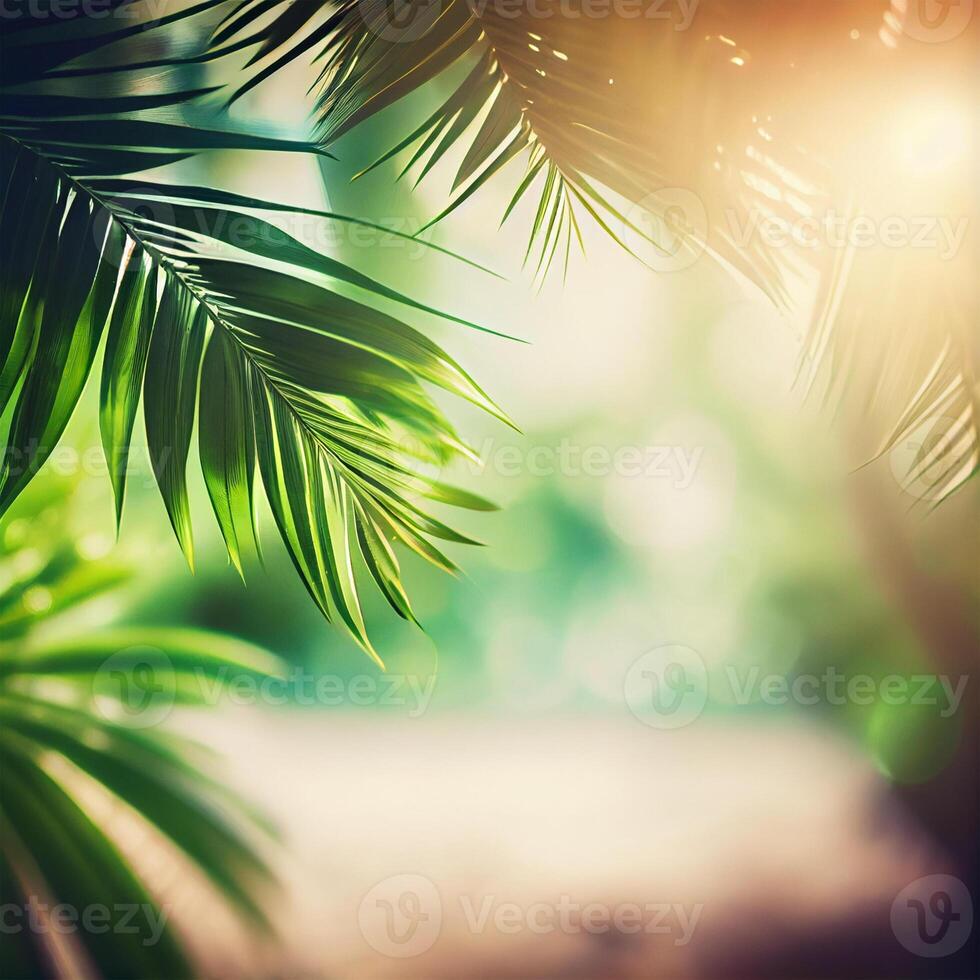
906	363
78	717
606	111
893	336
202	301
758	111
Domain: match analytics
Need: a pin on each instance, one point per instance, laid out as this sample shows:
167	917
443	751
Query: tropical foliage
233	323
76	721
316	384
735	102
310	378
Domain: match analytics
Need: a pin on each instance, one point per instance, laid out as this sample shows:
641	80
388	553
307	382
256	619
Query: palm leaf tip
289	382
73	750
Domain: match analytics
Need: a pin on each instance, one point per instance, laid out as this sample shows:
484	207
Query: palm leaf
918	379
740	105
300	376
566	93
56	748
77	862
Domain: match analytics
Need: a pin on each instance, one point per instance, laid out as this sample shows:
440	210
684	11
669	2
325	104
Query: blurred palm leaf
67	717
605	111
196	294
761	109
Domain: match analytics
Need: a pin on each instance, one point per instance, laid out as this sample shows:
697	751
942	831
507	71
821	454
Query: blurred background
670	501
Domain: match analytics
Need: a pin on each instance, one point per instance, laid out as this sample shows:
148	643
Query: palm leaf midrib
200	295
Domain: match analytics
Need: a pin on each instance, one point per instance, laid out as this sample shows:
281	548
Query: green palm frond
209	312
739	104
606	113
69	729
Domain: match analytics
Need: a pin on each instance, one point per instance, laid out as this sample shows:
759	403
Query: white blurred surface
768	824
